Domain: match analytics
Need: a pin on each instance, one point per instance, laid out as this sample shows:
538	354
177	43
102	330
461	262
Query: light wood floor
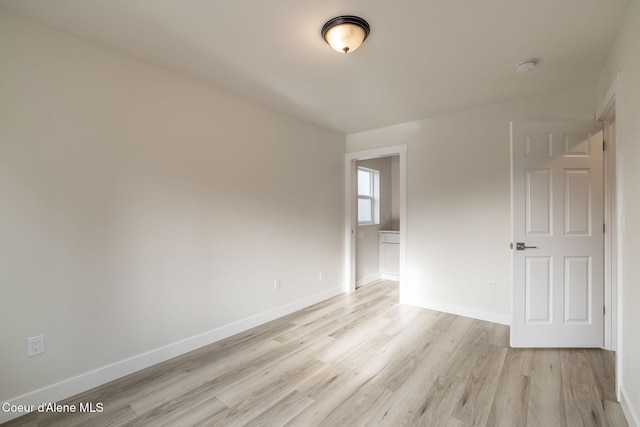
362	360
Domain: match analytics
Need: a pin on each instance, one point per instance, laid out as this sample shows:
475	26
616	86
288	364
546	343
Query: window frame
373	197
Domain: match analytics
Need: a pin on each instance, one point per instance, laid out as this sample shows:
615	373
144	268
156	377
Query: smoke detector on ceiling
526	65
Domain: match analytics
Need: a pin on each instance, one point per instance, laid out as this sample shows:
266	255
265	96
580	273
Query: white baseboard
368	279
387	276
629	411
88	380
489	316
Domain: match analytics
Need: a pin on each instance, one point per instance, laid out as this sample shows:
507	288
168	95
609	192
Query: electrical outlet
35	345
492	285
276	284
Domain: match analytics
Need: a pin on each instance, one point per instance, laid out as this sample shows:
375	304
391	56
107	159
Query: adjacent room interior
181	175
378	211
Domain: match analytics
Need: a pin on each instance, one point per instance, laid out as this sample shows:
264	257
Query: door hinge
604	310
604	145
604	228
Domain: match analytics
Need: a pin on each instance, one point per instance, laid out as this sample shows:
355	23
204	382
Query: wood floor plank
480	387
456	329
603	367
355	363
418	326
113	417
276	380
468	383
546	403
614	414
323	326
151	398
499	335
361	359
226	372
410	396
403	359
360	403
331	391
581	396
345	341
188	409
283	410
437	406
511	401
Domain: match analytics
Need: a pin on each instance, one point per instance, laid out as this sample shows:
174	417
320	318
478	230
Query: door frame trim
611	108
350	210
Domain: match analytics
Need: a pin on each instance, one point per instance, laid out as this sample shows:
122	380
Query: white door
558	236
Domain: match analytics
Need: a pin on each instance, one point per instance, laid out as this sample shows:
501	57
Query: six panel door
557	214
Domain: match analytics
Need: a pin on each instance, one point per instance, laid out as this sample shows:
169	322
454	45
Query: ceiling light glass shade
345	33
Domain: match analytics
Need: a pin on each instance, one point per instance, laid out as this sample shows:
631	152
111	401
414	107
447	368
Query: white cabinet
389	254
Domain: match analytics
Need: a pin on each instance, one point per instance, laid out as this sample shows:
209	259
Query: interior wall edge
368	279
487	316
629	411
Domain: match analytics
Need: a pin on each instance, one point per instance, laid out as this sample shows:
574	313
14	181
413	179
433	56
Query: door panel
538	283
557	197
577	199
538	202
577	285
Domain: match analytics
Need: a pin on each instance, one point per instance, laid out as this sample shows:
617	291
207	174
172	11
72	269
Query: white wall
625	57
367	254
139	208
458	200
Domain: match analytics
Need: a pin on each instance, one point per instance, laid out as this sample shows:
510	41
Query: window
368	196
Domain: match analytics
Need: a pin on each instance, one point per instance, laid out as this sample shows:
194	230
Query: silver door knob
520	246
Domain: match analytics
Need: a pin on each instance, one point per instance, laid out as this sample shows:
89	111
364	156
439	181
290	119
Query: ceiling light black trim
346	19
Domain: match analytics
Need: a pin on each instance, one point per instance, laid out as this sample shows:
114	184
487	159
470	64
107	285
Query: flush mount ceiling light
526	65
345	33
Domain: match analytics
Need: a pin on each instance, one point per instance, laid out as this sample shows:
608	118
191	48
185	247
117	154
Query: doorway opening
378	227
352	228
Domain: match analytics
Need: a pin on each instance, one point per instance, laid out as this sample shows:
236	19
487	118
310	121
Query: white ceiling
423	57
